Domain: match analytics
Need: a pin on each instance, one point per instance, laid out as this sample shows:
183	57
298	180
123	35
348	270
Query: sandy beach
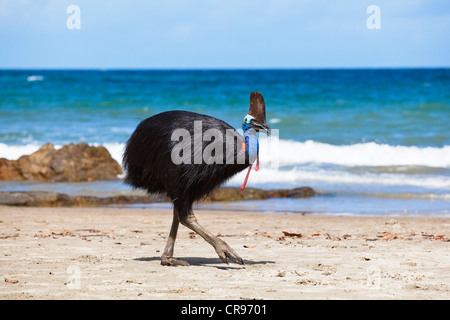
114	253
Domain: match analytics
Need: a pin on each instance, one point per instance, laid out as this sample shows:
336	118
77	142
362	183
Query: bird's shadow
207	262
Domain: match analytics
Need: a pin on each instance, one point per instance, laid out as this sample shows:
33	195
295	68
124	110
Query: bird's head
256	117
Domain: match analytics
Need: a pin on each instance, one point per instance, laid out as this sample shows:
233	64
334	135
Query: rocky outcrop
71	163
54	199
235	194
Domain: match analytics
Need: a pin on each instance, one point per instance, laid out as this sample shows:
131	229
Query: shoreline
296	201
114	253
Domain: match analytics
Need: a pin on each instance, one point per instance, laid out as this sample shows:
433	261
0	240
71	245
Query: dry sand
114	253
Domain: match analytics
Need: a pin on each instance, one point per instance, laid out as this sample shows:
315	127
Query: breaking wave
289	163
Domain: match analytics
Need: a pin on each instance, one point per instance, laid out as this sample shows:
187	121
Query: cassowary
186	155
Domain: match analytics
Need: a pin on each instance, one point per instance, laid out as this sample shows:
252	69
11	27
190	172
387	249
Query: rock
235	194
53	199
71	163
303	192
35	198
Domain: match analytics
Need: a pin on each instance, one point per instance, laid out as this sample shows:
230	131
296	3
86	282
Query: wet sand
114	253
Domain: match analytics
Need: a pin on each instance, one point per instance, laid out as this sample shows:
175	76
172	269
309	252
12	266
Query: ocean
370	141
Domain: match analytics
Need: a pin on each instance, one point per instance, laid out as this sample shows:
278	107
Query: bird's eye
248	119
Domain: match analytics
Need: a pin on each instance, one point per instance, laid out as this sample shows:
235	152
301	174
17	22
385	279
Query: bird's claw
170	261
225	252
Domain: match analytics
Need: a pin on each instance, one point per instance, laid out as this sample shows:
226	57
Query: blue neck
251	143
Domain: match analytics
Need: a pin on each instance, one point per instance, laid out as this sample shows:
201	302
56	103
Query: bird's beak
261	126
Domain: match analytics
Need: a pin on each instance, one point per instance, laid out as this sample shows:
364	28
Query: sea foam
35	78
361	154
309	161
291	153
299	176
14	152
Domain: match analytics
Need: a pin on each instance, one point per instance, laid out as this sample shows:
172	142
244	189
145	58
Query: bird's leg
222	248
167	258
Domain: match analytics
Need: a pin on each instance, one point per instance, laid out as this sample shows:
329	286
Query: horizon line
222	69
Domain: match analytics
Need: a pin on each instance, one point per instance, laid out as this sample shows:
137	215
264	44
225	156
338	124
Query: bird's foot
170	261
224	251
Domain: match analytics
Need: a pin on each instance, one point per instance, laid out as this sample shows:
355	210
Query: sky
232	34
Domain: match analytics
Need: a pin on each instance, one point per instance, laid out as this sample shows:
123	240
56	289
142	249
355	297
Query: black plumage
149	164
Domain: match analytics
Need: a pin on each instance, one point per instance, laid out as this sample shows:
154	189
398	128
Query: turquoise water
396	107
378	138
